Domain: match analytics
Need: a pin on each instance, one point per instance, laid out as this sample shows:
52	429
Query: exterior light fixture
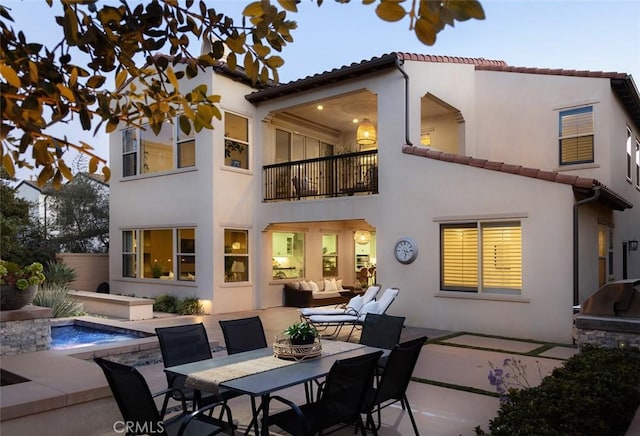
633	245
366	133
362	237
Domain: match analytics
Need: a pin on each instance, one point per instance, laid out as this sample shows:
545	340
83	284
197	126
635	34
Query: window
236	141
629	160
329	255
481	257
129	152
287	255
236	255
576	136
637	163
157	252
156	151
293	146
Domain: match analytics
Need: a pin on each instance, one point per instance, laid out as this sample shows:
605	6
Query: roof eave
627	92
337	75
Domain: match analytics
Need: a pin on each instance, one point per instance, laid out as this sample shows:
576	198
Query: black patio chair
382	331
244	334
141	416
339	402
185	344
392	386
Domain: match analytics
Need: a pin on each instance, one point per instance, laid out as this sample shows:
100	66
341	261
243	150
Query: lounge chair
352	308
335	323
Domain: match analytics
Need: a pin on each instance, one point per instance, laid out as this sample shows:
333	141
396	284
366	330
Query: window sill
486	297
158	174
236	170
184	283
236	284
571	167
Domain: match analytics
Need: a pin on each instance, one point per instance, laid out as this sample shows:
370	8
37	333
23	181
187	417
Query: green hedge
594	393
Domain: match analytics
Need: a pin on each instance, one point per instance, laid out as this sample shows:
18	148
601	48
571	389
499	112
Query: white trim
575	105
481	296
580	166
484	217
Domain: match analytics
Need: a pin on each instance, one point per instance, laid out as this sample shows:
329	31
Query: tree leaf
106	172
289	5
96	81
66	92
10	75
390	11
64	170
425	31
7	164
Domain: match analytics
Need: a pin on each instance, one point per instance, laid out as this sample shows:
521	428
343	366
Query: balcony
322	177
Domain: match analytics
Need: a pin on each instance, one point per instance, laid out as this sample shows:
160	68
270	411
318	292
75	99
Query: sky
601	35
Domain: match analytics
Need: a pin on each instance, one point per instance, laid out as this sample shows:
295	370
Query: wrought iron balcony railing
329	176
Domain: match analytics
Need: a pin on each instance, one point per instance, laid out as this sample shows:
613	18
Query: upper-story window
637	163
292	146
236	141
169	149
576	135
629	147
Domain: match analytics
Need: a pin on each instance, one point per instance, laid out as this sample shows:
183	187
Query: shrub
59	273
166	303
57	298
190	306
594	393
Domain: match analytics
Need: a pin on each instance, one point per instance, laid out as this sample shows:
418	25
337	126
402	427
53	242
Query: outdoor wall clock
406	250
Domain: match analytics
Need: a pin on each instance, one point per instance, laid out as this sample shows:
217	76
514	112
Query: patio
443	400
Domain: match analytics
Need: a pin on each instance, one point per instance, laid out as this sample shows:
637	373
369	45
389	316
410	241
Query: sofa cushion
330	285
314	286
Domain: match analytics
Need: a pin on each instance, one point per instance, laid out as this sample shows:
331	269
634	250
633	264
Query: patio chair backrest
385	300
244	334
382	331
132	395
345	389
183	344
370	293
398	370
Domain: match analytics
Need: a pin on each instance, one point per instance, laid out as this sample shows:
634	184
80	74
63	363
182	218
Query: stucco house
519	188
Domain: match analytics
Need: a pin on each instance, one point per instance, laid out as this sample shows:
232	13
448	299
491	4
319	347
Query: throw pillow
295	285
304	285
330	285
339	285
370	307
313	286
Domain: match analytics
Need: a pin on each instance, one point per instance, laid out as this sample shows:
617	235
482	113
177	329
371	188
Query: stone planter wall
607	331
25	330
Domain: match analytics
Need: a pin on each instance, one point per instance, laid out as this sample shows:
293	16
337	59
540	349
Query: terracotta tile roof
622	83
478	62
581	185
550	71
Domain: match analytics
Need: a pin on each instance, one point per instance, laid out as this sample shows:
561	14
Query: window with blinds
501	256
576	136
481	257
460	257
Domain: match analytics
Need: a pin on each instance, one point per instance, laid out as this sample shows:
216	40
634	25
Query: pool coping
62	378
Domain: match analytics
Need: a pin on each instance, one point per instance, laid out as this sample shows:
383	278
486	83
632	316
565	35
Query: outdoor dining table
258	373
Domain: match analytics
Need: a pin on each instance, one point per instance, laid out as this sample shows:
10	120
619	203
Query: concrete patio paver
439	410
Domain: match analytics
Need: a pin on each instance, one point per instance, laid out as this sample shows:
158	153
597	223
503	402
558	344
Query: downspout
399	63
594	197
